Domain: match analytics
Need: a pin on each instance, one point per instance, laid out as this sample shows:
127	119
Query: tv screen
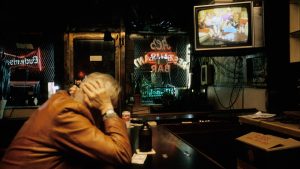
223	26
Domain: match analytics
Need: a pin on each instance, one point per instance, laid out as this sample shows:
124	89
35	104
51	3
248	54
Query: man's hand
96	95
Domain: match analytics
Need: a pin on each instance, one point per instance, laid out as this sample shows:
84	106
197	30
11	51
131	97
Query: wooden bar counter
171	152
292	130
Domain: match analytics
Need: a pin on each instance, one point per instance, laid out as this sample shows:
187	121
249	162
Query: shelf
295	34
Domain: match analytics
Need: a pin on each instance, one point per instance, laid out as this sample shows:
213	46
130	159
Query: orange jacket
62	134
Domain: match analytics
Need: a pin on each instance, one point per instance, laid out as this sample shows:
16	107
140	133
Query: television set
224	26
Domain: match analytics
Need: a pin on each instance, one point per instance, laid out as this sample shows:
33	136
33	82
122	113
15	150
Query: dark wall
156	14
277	52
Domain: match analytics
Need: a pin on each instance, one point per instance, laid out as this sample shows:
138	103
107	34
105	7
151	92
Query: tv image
223	26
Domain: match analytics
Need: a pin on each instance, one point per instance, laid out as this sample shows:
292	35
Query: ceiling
97	15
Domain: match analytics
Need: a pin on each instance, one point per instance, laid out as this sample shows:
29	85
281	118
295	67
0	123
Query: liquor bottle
145	138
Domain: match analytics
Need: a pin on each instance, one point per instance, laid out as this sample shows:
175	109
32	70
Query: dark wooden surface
215	139
171	152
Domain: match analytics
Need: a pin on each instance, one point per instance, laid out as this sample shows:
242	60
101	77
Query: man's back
61	134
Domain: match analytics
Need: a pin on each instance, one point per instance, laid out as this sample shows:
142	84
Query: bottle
145	138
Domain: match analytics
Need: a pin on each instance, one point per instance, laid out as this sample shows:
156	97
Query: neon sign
153	93
154	57
161	57
31	60
160	45
23	61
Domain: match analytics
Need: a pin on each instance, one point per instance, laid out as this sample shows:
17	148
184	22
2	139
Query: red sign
155	57
31	60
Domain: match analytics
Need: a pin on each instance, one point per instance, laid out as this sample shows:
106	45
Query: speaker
207	74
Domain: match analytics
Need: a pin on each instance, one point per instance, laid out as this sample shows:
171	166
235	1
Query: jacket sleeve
74	131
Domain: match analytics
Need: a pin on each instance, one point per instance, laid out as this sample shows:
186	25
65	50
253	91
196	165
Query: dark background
50	19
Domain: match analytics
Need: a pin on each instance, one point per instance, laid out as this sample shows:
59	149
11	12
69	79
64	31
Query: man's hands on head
72	90
96	95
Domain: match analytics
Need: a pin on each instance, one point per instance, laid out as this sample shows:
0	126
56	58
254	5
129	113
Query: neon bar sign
32	60
158	91
154	57
161	57
155	93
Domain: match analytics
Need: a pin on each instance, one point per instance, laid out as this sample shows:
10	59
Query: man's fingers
93	84
87	101
89	86
96	95
88	90
99	83
93	91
